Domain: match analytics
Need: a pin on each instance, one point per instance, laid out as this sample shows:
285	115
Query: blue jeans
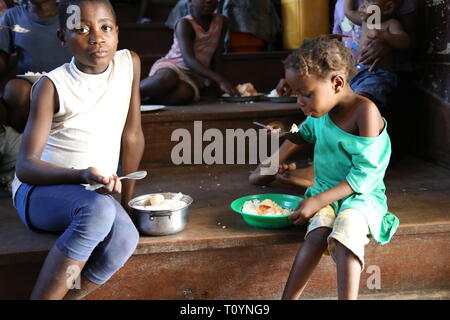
92	227
379	84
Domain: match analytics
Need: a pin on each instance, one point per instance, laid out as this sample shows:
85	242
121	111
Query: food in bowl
266	207
158	202
246	90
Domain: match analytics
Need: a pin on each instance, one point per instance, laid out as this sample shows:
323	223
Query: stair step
146	39
431	294
207	261
158	10
159	126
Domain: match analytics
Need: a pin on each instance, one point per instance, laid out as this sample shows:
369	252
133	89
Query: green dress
362	161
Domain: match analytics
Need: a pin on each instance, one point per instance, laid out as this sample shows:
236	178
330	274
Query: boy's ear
338	83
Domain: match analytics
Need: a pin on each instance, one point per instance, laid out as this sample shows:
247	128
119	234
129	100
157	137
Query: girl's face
204	7
94	44
315	96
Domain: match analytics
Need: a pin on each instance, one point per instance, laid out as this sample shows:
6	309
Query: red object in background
245	42
3	7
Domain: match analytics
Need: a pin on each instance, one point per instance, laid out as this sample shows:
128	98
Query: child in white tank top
85	115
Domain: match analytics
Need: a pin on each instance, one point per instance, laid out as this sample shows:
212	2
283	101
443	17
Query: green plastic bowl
267	222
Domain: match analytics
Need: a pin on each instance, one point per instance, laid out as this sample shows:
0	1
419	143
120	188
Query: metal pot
160	223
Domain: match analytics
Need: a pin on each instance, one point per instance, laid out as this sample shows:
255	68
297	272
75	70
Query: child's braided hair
320	56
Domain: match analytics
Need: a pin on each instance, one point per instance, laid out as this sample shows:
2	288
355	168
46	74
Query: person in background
257	17
37	51
177	78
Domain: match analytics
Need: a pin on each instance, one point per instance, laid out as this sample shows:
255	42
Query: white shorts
181	74
349	228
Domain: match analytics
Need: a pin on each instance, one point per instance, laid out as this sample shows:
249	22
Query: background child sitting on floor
351	153
85	116
178	78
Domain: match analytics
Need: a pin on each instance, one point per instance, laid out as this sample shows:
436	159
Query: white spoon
16	28
134	175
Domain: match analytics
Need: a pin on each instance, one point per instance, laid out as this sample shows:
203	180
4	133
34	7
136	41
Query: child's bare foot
303	177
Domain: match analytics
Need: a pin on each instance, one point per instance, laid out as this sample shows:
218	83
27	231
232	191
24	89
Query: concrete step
431	294
213	114
146	39
208	261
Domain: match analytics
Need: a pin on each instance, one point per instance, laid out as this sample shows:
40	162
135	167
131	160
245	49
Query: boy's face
315	96
94	44
204	7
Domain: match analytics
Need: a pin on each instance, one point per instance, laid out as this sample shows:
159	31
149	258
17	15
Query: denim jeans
92	227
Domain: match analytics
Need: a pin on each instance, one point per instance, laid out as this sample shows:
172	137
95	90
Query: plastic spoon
134	175
16	28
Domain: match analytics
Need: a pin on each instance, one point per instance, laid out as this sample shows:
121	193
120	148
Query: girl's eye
107	28
83	30
307	95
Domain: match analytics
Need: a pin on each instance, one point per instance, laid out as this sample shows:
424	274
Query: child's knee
167	78
98	216
318	237
185	93
17	90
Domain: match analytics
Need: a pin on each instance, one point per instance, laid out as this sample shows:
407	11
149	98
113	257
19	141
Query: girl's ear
338	83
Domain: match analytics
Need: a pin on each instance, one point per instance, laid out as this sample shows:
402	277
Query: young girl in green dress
352	149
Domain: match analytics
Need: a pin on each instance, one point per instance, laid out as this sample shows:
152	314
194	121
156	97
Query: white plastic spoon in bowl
134	175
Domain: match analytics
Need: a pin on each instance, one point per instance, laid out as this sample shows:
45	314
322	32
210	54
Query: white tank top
87	129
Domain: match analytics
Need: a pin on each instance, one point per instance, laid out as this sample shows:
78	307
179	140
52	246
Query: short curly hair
320	56
64	15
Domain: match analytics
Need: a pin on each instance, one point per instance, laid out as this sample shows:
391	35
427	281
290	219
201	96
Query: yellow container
304	19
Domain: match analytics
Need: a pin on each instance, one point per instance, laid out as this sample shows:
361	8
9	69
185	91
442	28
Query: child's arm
29	168
186	34
132	137
310	206
351	13
395	36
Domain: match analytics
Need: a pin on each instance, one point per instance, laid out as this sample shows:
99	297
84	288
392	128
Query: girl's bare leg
305	262
54	281
160	85
348	273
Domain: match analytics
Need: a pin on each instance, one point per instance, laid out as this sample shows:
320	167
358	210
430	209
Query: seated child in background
85	116
342	25
377	81
37	51
178	78
351	153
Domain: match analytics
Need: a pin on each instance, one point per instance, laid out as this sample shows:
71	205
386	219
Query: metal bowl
161	222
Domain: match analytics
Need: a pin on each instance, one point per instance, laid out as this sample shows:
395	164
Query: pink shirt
205	43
